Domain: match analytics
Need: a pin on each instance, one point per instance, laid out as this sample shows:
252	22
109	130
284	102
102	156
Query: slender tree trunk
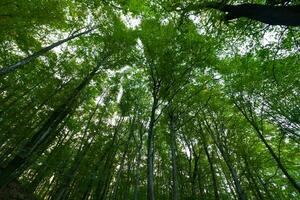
252	122
82	151
240	191
194	176
108	158
150	145
224	152
17	98
279	163
137	173
201	184
193	171
232	188
150	154
24	61
266	189
40	173
65	182
43	136
87	190
251	179
212	169
175	194
117	178
47	191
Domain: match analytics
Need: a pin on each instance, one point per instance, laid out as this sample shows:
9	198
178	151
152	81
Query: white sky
131	21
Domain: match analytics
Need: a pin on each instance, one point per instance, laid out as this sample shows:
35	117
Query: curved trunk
268	14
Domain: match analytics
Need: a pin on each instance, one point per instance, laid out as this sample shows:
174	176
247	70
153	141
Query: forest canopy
149	99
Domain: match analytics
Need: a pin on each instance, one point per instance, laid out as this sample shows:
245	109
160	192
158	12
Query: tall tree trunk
251	178
11	104
211	165
224	152
108	158
82	151
150	145
175	194
194	176
137	168
43	136
240	191
266	189
251	121
122	162
40	171
24	61
65	182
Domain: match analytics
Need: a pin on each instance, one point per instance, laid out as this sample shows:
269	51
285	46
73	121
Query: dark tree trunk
123	159
212	169
194	176
210	161
65	182
268	14
172	129
44	135
150	139
251	179
138	162
84	147
150	151
107	158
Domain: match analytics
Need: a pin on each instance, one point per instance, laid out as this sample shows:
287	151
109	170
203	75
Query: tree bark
150	145
251	179
122	162
268	14
108	158
175	194
212	169
239	188
43	136
137	170
82	151
224	152
24	61
195	175
281	166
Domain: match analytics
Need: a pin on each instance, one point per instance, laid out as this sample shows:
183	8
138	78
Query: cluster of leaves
217	106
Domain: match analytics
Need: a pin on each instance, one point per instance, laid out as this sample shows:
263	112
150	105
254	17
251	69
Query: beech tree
149	100
270	14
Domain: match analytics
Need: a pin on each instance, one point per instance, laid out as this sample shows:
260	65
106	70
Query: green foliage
78	116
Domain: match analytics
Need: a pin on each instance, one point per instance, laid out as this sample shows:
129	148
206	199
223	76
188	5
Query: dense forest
149	99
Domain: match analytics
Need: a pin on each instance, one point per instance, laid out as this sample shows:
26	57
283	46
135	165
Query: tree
44	135
269	14
24	61
149	100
